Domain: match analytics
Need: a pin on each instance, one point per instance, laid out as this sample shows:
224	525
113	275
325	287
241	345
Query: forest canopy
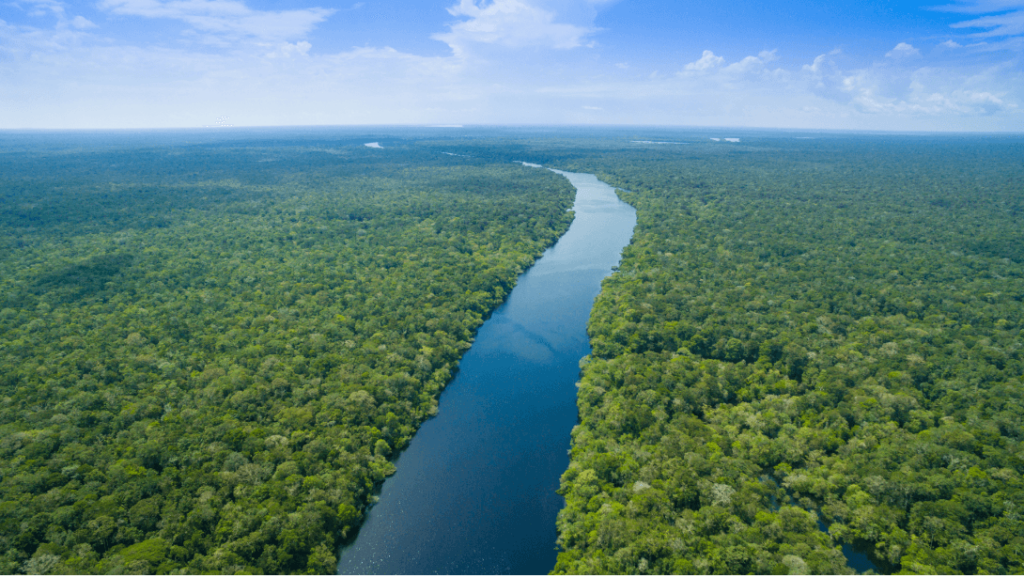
810	360
209	353
812	348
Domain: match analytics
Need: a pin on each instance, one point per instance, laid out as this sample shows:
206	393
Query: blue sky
952	65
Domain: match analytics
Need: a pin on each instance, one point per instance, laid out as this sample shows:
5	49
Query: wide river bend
475	491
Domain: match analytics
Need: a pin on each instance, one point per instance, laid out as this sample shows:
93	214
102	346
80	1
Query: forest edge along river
475	491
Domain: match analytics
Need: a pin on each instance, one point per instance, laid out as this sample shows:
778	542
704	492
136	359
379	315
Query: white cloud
55	8
951	44
707	61
288	50
753	64
44	7
560	24
821	62
1010	24
713	68
70	77
18	43
132	87
1002	18
903	50
82	23
894	88
225	18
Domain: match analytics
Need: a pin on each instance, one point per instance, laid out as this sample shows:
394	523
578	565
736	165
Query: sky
942	65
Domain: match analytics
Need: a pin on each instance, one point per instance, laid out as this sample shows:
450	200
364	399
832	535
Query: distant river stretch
475	489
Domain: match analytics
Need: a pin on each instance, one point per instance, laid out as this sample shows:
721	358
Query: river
475	491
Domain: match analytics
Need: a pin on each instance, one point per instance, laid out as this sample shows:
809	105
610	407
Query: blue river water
475	491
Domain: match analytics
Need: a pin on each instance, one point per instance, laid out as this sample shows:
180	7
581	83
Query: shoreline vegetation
208	354
476	490
806	347
210	347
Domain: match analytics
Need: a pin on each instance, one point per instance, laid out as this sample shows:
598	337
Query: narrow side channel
475	489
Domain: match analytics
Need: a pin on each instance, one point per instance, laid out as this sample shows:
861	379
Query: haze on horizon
846	64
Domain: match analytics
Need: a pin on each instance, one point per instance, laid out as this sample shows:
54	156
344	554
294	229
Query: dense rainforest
209	352
212	348
812	346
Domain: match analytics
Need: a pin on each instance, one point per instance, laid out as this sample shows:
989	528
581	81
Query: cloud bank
230	19
512	23
262	67
1001	17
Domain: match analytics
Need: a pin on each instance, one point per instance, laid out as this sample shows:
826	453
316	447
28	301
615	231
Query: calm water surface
475	489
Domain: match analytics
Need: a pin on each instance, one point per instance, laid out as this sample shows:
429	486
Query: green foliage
208	354
806	344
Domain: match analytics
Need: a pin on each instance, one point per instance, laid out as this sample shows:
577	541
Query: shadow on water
857	553
475	491
857	559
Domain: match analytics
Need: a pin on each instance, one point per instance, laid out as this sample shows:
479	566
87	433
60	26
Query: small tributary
475	491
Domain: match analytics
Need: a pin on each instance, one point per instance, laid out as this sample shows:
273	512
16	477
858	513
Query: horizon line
236	128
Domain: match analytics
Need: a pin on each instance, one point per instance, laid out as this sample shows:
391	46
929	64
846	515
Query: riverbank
475	491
